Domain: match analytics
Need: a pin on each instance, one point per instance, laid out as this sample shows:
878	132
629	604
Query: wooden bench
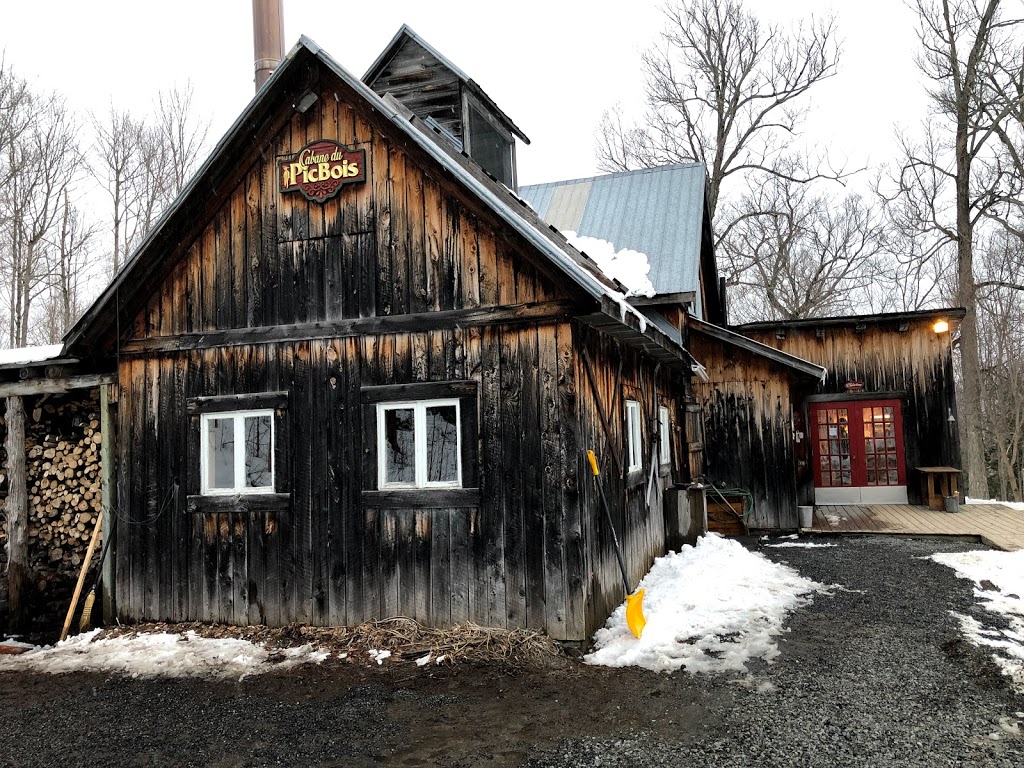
937	482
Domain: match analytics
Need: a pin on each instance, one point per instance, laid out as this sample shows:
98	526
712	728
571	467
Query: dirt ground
873	675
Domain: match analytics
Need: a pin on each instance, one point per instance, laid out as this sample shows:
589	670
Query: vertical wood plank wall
405	242
748	429
915	365
622	374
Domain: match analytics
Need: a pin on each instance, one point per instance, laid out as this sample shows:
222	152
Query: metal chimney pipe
267	37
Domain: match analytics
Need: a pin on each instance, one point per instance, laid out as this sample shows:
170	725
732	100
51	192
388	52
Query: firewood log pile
62	445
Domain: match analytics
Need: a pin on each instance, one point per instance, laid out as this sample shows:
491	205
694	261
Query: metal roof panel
658	211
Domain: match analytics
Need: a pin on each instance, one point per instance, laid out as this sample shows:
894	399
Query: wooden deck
996	525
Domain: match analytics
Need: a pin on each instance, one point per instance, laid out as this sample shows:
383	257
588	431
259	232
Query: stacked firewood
64	486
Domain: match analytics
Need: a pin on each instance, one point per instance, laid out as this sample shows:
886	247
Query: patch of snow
10	642
161	655
709	608
1004	570
629	267
1018	505
440	658
422	661
834	519
803	544
30	354
378	656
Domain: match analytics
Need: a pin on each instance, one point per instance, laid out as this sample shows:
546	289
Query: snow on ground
803	544
1011	504
709	608
631	268
160	655
999	584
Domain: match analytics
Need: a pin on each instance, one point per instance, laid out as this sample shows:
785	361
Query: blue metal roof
658	211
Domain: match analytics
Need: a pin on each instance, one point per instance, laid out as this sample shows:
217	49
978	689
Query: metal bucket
952	503
806	516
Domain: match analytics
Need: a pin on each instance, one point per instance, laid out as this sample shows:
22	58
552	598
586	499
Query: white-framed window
664	436
419	444
634	446
237	452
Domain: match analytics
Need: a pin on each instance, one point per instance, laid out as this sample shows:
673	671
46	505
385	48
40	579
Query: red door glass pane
868	453
834	470
880	452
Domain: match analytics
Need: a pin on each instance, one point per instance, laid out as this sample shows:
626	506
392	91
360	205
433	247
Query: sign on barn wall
321	168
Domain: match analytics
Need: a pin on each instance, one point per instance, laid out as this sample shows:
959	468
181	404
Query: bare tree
115	165
144	164
44	160
725	90
70	269
948	179
798	252
1002	360
182	135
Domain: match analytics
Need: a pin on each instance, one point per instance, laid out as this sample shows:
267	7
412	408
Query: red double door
858	452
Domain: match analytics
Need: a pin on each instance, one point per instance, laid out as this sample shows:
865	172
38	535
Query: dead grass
406	639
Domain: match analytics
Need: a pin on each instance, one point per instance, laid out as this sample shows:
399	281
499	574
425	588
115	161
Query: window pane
399	446
258	449
442	444
221	457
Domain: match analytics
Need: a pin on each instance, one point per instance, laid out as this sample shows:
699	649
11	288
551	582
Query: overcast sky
553	66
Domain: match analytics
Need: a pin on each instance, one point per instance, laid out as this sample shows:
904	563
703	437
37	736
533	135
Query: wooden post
17	513
109	494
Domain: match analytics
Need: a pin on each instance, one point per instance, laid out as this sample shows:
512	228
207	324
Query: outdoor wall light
306	100
941	326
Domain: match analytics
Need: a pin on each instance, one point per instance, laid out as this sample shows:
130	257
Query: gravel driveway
873	675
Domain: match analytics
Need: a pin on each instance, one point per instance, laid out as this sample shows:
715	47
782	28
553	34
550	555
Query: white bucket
806	516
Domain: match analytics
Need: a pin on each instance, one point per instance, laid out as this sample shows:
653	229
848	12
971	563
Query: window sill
422	498
242	502
634	477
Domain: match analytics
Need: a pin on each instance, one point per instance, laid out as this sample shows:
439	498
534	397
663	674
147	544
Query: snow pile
1018	505
709	608
629	267
161	655
999	583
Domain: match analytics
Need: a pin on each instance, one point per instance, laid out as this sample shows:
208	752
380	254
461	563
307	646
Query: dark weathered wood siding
424	85
621	374
914	366
748	429
256	301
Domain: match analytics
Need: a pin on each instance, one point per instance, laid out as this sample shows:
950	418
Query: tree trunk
971	427
17	512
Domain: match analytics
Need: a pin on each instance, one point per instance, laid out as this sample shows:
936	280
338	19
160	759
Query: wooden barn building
356	377
352	373
841	410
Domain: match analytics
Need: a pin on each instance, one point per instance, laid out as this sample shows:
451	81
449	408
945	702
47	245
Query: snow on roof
26	355
629	267
709	608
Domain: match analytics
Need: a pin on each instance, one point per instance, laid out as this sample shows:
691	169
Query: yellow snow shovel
634	600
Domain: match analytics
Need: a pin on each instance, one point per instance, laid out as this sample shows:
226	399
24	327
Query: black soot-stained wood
400	287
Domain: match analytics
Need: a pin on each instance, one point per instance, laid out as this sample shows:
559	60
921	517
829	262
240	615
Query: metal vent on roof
451	137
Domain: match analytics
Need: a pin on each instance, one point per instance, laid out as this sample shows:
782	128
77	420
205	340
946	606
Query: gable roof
406	35
659	211
614	312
